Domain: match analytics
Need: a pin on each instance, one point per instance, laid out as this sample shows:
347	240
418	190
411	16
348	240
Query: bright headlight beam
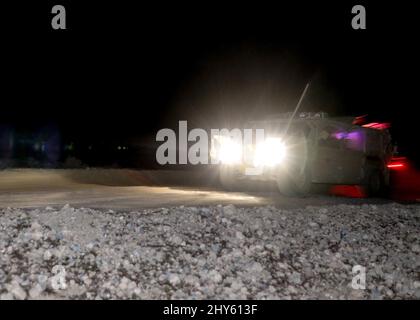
269	152
230	151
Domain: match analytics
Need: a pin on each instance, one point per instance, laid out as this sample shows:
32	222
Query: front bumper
247	172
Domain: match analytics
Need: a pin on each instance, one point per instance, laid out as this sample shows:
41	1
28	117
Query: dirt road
131	189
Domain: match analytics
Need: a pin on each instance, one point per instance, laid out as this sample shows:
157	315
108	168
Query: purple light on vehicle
355	140
340	135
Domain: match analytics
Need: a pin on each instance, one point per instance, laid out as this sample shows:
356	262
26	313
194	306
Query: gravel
210	253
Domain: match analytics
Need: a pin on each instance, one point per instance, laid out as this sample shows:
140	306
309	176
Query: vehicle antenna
297	107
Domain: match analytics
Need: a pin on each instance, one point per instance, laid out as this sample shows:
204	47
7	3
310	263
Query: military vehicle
303	150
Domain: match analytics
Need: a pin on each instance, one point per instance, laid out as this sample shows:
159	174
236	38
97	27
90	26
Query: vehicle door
353	159
327	161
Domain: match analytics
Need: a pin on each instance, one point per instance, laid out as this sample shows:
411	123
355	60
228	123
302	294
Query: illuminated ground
130	189
176	235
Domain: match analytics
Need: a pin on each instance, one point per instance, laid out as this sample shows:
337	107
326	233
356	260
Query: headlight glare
230	151
270	152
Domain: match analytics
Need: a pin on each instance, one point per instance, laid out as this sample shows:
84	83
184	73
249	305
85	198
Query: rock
205	211
87	281
36	226
47	255
75	247
323	217
256	267
35	291
42	280
66	207
176	241
295	278
415	248
174	279
90	246
313	224
124	284
239	235
17	291
291	289
376	294
215	276
36	236
236	285
229	210
356	294
6	296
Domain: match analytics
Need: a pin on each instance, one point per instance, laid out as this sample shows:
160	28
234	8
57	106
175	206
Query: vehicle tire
285	187
297	180
228	179
298	184
375	184
303	182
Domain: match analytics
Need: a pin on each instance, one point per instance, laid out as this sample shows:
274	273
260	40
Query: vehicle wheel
285	187
375	185
228	179
296	184
303	182
297	180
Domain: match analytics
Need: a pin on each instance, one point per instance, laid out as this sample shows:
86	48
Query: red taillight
396	165
377	125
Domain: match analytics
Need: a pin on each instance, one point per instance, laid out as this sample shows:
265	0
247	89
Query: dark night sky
123	71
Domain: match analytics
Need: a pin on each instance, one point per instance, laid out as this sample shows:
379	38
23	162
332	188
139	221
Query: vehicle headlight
230	151
270	152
